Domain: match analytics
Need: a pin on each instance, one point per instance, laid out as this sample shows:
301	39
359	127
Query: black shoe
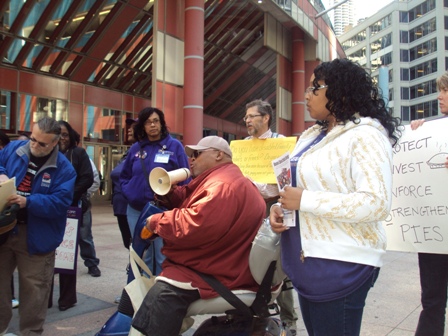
94	271
64	308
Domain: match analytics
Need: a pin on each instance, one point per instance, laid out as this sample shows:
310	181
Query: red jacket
211	229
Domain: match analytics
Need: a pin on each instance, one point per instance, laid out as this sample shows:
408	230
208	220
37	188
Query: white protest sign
418	221
66	253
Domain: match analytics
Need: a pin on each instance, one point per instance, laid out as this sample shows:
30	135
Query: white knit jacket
347	181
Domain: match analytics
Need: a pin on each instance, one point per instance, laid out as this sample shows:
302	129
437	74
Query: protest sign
418	221
67	252
254	157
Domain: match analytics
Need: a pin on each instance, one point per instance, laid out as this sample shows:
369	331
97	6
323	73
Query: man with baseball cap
209	228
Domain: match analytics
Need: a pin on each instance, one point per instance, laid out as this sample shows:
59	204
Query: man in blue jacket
44	180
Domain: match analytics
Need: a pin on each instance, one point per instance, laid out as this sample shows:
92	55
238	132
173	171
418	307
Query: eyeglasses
196	153
42	144
251	116
312	89
150	122
64	135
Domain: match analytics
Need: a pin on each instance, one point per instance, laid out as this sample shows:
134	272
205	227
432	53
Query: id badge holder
162	158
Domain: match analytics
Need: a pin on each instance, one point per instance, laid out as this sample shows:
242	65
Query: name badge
162	158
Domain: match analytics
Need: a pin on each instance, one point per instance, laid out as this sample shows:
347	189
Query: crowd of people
332	256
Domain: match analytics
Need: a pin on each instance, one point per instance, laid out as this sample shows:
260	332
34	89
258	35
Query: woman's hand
416	124
276	219
290	198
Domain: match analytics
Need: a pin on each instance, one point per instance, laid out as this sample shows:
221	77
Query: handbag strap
136	260
144	167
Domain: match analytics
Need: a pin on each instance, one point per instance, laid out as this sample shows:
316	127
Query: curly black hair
350	91
143	115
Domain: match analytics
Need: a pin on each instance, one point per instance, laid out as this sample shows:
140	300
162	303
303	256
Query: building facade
95	63
409	39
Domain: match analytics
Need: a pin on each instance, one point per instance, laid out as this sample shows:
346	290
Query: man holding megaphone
154	148
209	228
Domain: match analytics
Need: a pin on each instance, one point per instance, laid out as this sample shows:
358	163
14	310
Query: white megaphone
161	181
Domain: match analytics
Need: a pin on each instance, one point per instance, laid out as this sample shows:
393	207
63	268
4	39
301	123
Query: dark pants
67	290
12	287
433	282
341	317
163	310
124	229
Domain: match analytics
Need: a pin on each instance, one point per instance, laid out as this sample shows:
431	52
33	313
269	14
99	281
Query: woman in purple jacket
154	148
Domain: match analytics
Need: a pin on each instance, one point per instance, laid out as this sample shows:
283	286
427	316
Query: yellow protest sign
254	157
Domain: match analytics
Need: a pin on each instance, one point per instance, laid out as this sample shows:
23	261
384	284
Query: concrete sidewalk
392	307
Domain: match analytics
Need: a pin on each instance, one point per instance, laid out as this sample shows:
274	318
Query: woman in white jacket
341	191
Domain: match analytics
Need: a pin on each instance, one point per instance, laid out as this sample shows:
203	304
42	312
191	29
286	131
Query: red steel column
298	81
193	72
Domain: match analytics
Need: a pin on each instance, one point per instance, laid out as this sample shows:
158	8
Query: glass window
404	93
207	132
420	10
424	110
229	136
32	108
380	25
404	17
5	109
50	40
404	74
423	49
100	126
423	69
404	37
404	55
424	29
405	113
423	89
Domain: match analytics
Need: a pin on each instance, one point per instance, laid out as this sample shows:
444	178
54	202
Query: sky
365	7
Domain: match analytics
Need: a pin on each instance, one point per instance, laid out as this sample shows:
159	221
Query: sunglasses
41	144
196	153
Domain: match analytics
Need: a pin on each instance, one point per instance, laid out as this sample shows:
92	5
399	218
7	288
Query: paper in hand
7	189
282	171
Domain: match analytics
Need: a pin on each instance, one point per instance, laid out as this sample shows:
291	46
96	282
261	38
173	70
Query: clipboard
7	189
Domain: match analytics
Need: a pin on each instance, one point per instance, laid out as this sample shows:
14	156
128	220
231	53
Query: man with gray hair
44	180
258	121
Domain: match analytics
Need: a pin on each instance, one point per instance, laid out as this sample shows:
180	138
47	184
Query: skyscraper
342	16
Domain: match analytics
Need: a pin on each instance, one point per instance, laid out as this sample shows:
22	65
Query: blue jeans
86	245
153	257
341	317
434	282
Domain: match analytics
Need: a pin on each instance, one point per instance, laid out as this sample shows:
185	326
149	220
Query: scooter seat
219	305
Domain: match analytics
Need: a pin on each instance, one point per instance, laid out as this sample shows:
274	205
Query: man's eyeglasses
196	153
42	144
251	116
312	89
